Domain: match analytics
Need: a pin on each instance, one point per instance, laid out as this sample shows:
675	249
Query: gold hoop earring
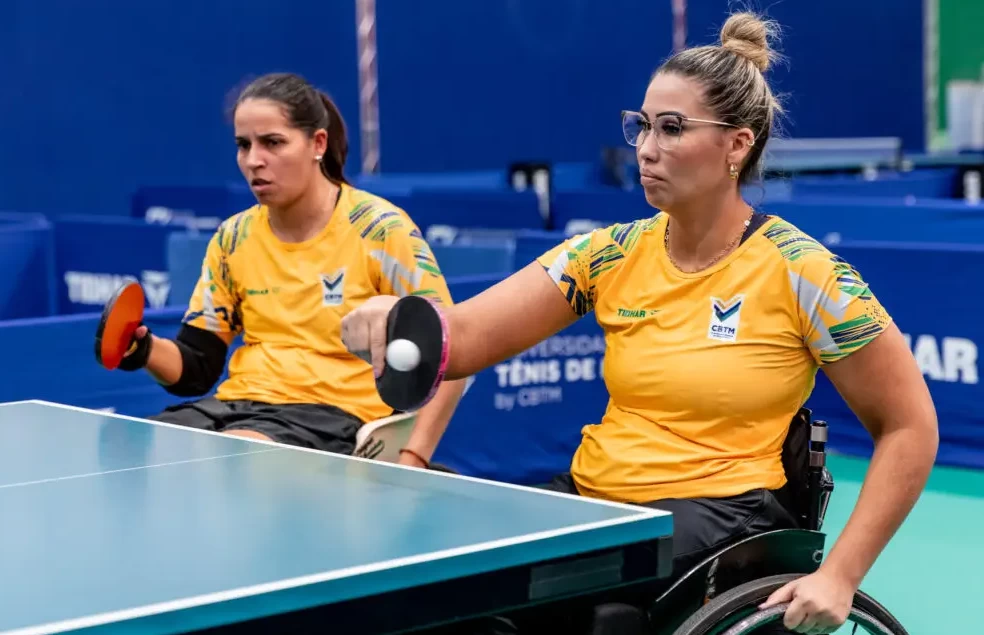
733	172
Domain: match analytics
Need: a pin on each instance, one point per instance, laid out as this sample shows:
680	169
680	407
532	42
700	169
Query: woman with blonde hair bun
717	318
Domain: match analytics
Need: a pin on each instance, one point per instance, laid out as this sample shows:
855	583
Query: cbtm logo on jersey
333	288
725	315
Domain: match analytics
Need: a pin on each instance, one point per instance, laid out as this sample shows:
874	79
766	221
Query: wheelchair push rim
750	624
735	612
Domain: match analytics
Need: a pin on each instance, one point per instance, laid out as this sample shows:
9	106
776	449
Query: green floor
931	576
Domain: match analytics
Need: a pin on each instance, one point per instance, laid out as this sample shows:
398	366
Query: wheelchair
720	595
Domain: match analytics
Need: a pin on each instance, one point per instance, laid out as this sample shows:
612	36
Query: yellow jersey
705	370
287	300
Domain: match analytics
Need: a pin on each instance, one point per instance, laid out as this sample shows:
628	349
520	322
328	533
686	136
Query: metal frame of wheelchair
720	595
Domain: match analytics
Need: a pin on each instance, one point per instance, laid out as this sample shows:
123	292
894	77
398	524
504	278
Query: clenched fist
364	330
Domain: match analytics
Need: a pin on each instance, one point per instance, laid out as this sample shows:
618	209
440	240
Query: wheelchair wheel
735	612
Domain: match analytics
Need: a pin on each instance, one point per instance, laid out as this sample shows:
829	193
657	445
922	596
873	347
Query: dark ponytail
333	161
308	109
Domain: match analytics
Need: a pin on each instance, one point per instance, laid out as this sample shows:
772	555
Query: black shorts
306	425
701	526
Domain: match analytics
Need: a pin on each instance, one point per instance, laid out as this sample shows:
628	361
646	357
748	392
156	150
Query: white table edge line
18	403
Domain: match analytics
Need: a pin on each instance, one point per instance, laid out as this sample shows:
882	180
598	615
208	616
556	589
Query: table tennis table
113	524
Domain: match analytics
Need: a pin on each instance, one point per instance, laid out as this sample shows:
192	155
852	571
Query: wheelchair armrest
381	439
809	484
820	483
826	491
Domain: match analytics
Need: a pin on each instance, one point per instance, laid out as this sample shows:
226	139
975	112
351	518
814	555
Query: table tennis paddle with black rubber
123	314
420	322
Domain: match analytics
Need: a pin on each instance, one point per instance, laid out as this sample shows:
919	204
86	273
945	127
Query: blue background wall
486	83
108	95
853	68
105	96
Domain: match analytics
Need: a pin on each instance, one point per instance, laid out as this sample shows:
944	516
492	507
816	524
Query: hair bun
747	35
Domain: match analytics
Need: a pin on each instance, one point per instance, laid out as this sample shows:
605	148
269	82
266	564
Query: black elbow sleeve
203	357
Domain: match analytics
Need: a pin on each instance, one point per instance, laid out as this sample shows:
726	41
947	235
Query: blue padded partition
27	286
574	211
56	362
530	245
832	219
183	203
457	261
921	184
94	255
485	209
408	182
185	253
576	175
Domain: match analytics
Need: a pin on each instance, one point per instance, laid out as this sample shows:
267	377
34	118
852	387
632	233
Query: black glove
139	352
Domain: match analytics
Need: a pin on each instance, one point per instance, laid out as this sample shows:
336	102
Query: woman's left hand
818	603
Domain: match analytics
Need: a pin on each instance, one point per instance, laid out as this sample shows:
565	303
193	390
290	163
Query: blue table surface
107	519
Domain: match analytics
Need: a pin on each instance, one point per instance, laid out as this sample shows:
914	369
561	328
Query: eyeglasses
669	128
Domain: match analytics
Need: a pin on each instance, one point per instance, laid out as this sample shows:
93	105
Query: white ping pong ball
402	355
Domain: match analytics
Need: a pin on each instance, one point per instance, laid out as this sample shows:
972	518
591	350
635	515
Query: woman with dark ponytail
283	274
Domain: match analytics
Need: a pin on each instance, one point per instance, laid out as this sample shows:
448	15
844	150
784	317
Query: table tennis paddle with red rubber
421	322
123	314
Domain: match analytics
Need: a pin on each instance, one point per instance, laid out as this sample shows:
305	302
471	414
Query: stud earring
317	158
